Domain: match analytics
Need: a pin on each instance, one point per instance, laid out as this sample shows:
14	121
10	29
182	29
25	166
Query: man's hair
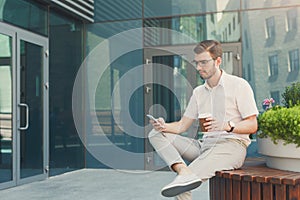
213	47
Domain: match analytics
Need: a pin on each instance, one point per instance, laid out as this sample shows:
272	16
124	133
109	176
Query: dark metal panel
82	8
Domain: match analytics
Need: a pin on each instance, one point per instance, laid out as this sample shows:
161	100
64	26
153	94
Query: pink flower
268	101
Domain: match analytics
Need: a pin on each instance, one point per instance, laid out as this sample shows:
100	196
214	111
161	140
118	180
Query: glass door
24	106
32	106
170	77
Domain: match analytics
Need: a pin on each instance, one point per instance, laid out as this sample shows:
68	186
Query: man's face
205	65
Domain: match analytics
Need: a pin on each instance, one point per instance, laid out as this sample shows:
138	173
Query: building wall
230	21
129	29
65	33
258	48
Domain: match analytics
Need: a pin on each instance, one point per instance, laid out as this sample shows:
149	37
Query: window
247	72
229	29
273	65
212	18
270	26
294	60
291	20
246	40
233	23
249	78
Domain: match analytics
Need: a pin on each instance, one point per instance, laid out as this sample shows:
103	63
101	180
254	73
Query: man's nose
198	67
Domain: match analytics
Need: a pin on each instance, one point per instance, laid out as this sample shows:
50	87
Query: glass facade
111	126
31	109
223	27
117	10
66	52
66	55
26	14
257	4
271	55
266	32
157	8
109	62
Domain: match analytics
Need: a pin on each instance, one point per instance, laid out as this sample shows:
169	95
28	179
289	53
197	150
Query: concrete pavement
99	184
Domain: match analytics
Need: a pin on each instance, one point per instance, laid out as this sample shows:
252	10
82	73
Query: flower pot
279	156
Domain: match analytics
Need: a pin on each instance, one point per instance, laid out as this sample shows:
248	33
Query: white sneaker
181	184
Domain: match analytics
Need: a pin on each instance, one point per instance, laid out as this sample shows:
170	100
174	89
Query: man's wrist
227	127
231	126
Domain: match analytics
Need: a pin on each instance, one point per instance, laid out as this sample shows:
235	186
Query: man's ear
219	60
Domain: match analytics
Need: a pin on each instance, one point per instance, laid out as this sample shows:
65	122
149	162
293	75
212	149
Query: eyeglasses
202	63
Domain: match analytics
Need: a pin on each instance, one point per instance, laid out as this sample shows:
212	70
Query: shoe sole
180	188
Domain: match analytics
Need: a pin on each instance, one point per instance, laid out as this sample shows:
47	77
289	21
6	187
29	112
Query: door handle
27	116
148	61
147	90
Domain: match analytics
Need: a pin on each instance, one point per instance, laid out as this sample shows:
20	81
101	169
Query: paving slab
100	184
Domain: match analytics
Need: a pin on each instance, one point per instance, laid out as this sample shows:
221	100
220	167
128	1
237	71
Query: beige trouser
205	157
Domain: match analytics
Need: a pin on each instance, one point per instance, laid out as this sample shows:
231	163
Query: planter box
279	156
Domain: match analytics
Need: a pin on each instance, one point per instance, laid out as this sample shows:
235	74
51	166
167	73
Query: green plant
281	123
291	95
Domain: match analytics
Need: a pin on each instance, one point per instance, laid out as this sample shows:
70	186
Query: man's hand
158	125
214	125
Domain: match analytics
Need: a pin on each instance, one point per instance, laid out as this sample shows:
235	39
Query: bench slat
267	191
256	191
293	192
280	192
255	183
246	188
236	190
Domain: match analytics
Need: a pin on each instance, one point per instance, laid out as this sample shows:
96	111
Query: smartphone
156	120
153	118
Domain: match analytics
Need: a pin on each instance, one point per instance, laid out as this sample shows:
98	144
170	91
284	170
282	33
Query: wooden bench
255	182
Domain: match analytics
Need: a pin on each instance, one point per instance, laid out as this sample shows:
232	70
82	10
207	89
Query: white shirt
231	100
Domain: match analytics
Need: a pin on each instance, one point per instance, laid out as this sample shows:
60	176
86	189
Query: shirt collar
220	83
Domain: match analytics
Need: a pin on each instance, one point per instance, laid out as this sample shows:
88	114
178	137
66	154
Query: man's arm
174	127
246	126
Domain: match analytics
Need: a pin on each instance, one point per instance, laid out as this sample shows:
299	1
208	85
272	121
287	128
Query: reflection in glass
5	109
224	27
113	89
170	95
246	4
172	100
158	8
270	50
270	26
28	15
292	20
66	149
117	10
113	109
294	61
227	62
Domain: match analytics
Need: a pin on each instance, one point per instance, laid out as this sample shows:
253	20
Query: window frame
273	65
291	20
293	56
270	27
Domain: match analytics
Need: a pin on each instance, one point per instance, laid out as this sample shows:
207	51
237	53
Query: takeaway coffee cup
202	120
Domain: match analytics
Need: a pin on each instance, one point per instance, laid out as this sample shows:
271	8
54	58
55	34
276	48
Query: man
230	101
